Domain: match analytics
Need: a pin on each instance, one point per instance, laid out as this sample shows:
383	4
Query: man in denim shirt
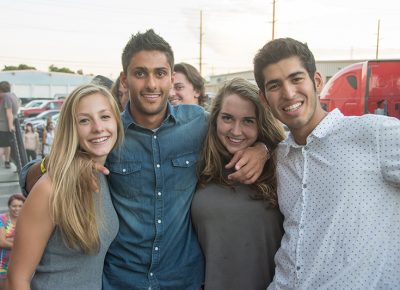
153	177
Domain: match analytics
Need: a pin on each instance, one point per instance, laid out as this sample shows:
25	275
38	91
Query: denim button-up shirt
152	180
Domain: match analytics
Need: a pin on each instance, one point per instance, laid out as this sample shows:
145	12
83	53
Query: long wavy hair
74	179
215	156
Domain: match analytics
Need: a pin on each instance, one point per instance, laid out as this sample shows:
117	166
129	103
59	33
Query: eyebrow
245	117
101	111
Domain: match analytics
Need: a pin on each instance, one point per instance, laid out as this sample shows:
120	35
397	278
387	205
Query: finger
100	168
236	157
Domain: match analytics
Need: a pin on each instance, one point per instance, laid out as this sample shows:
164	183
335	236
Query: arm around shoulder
33	231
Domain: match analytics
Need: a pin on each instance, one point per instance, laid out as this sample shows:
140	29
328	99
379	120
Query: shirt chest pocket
126	177
184	173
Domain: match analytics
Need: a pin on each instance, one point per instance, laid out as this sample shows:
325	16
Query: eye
248	121
83	121
161	73
140	74
226	118
106	117
179	88
272	87
297	80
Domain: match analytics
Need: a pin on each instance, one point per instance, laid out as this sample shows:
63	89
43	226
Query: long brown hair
215	155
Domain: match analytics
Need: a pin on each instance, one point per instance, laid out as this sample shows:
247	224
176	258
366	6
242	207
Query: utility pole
273	19
377	40
201	43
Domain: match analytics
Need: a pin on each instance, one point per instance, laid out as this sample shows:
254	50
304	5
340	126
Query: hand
100	168
12	128
249	163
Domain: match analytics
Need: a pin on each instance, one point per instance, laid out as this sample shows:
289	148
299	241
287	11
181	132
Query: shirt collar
128	121
324	127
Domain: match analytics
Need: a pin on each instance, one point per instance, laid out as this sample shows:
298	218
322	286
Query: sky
90	35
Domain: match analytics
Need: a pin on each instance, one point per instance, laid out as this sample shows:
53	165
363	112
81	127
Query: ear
123	80
319	82
263	98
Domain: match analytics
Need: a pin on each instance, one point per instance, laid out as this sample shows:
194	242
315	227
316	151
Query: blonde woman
239	226
68	223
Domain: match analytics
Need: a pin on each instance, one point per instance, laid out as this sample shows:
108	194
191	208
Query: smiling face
183	91
15	207
96	126
237	123
292	96
149	80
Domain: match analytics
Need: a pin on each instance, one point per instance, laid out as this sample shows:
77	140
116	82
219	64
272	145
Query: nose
236	128
289	90
151	82
172	92
97	126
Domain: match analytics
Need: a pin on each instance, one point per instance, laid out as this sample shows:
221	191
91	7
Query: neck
300	134
149	121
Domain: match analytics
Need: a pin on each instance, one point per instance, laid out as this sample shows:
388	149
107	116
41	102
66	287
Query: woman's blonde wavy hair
215	156
74	179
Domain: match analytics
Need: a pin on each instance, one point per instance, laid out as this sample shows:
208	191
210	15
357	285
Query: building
33	84
326	67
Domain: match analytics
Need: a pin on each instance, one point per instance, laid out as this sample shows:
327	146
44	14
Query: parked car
39	120
34	111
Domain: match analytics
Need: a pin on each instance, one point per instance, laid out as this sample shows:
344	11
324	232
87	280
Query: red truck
370	87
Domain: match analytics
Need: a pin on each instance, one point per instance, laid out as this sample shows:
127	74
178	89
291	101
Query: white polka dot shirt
340	195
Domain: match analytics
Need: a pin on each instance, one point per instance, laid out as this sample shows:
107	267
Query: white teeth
292	107
102	139
235	140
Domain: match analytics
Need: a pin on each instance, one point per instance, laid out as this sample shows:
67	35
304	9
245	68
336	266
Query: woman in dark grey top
68	220
239	226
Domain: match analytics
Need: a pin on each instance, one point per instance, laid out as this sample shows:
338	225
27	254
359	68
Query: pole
273	20
377	40
201	43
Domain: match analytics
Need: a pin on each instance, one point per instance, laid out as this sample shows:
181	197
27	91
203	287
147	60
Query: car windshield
45	114
34	104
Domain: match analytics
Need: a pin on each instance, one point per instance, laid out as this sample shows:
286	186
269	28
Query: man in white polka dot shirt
338	181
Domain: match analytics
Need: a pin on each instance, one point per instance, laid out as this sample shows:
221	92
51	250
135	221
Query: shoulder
189	112
41	192
368	122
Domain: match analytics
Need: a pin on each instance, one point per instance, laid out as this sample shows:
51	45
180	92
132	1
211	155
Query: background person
239	226
188	86
47	137
31	142
120	94
7	231
8	111
69	221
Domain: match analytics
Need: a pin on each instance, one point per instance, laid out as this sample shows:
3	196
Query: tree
53	68
19	67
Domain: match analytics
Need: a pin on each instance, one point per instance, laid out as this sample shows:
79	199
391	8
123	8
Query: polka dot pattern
340	195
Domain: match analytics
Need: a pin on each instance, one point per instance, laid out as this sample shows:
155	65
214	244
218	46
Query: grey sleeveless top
64	268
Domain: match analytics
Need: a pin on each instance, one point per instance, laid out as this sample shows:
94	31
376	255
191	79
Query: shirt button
306	148
304	186
156	248
187	162
155	137
158	165
298	268
159	221
151	274
124	170
159	193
